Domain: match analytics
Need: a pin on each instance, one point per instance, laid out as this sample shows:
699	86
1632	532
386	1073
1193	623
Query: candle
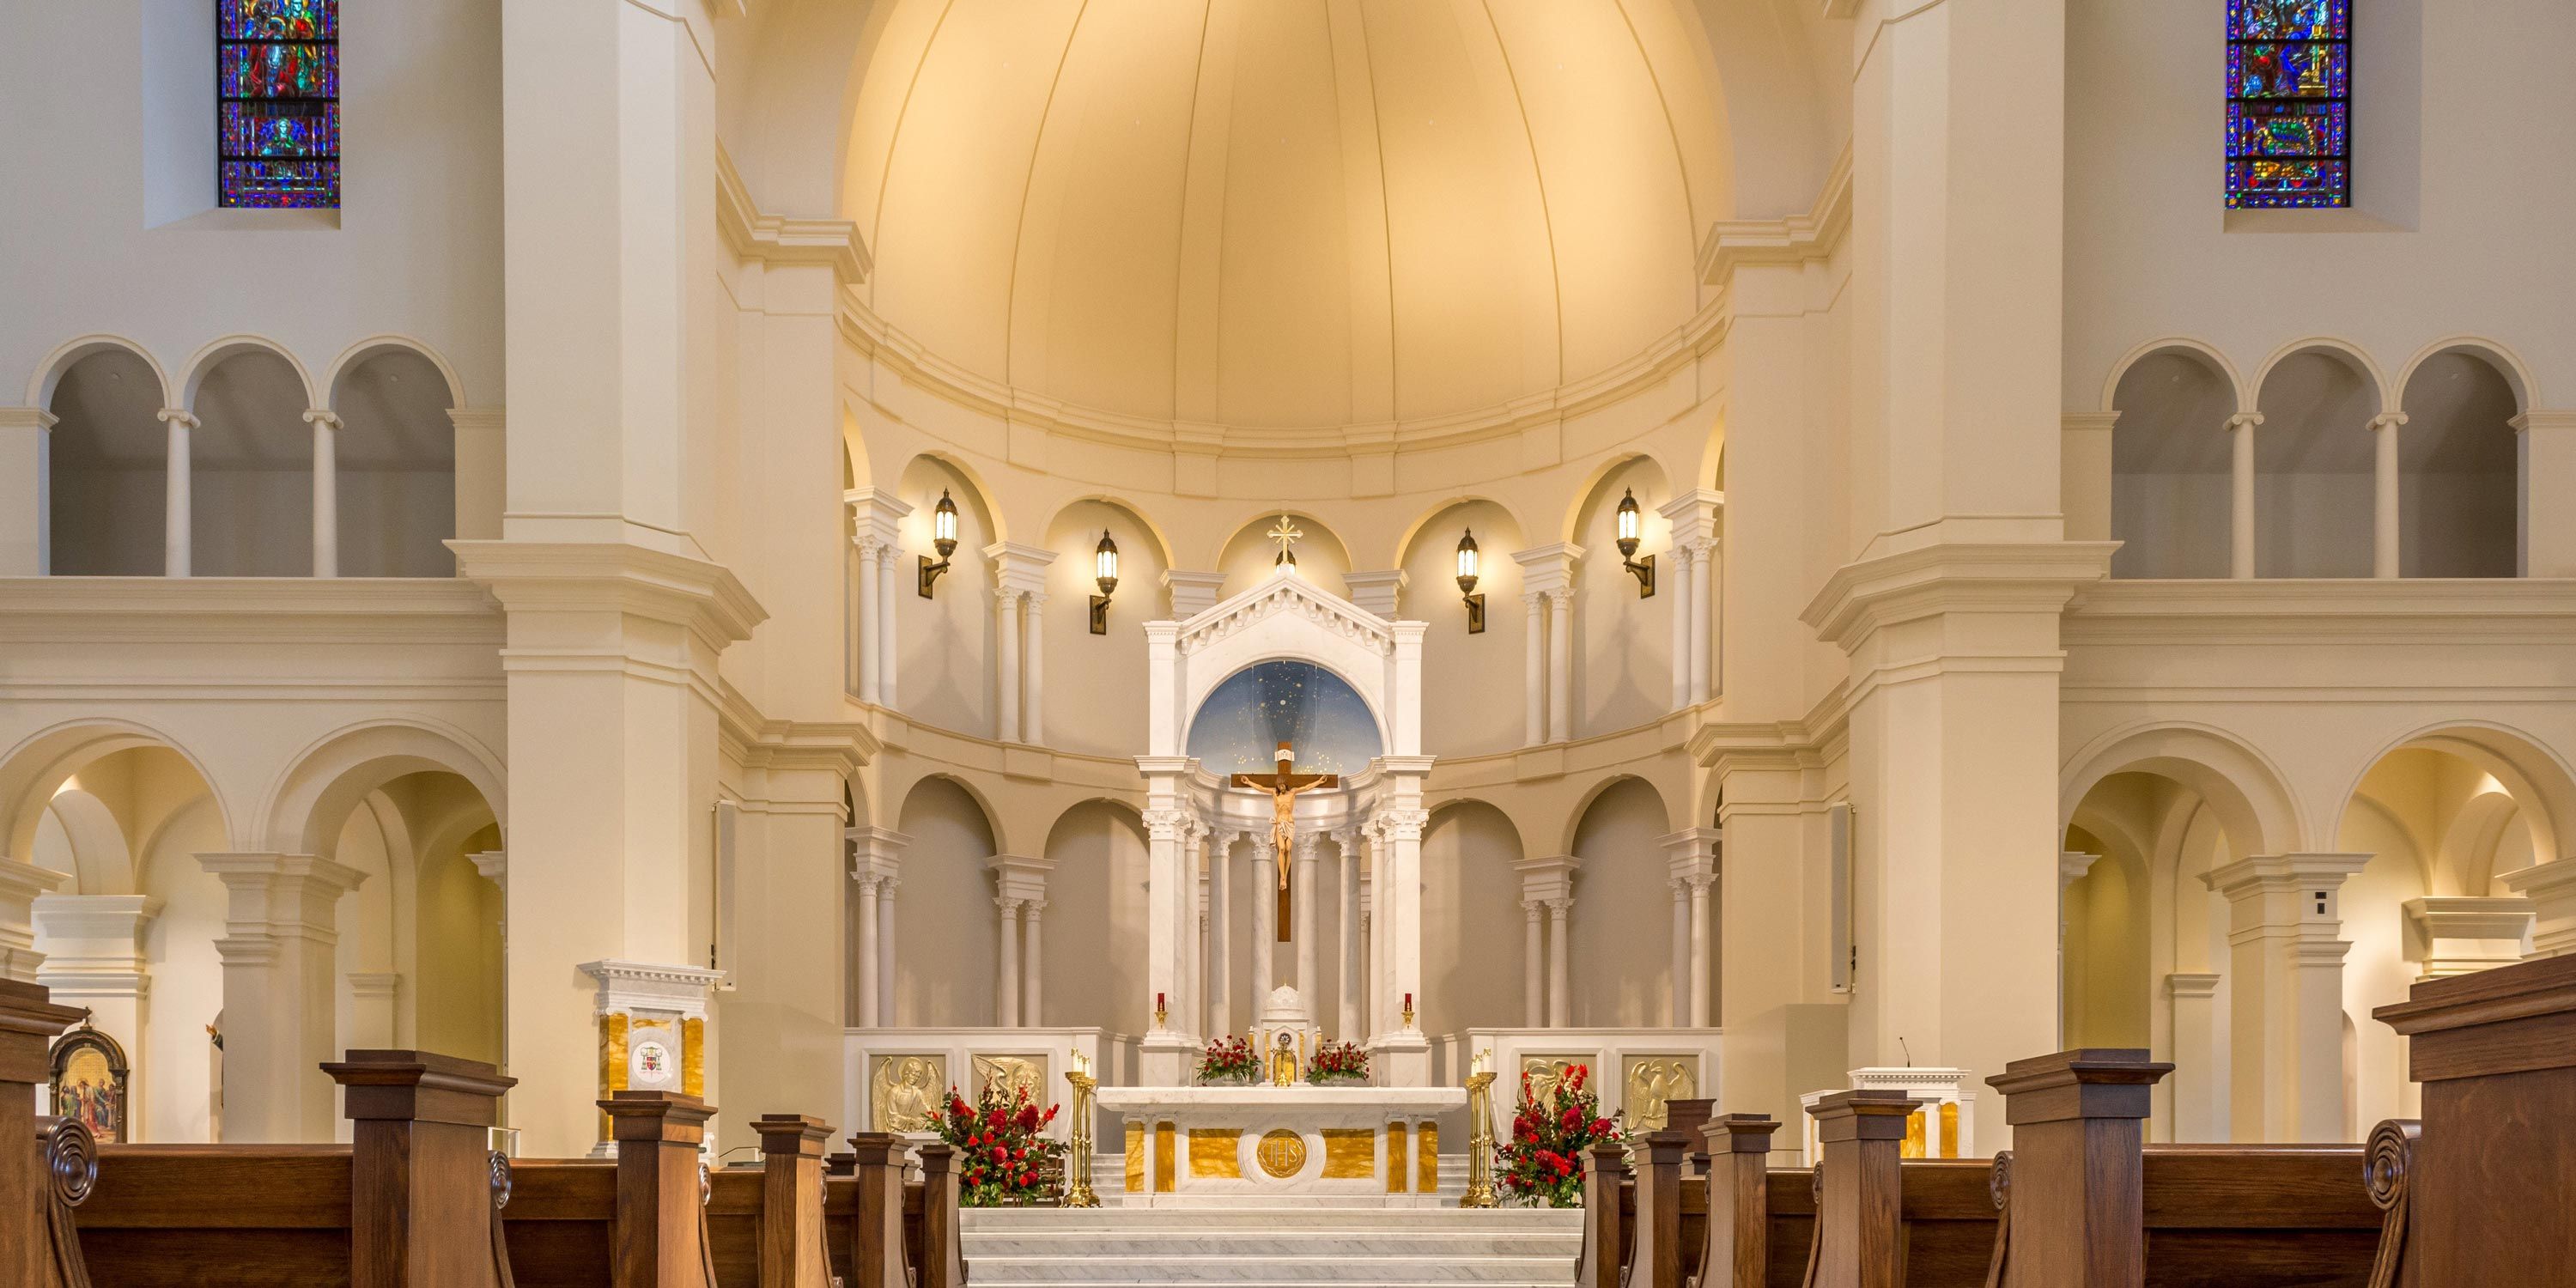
1158	1002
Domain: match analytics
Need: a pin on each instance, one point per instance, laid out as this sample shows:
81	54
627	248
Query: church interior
1297	586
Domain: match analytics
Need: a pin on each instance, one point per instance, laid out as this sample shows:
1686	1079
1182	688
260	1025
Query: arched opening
944	667
1623	973
1326	723
2458	489
945	979
1098	714
2170	467
1463	672
1096	920
1251	554
396	478
107	485
251	468
1473	954
1625	678
2315	467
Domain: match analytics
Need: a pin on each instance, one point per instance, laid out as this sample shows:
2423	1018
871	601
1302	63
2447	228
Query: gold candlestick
1480	1142
1077	1157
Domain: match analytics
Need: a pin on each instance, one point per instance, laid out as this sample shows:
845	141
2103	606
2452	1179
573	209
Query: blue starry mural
1240	726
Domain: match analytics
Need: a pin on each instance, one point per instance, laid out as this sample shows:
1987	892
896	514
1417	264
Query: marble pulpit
1189	1146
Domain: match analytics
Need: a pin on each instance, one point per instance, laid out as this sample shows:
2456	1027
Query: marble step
1327	1266
1301	1217
1276	1243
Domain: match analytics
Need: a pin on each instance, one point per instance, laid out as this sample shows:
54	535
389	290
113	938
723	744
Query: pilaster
2551	888
1377	592
2464	934
21	884
97	963
26	518
2548	510
280	927
1192	593
2286	1007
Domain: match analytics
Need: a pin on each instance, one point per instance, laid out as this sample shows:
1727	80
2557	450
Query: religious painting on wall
1653	1082
89	1083
904	1093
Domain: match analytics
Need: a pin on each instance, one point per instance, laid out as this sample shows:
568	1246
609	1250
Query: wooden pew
765	1225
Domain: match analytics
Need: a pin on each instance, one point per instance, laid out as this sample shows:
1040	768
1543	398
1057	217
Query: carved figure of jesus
1284	788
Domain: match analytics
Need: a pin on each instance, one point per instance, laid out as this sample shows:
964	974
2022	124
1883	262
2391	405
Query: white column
1370	1019
1032	967
26	523
1703	952
2286	1004
1399	912
1193	916
1348	1026
2200	1072
1207	905
1220	947
1534	966
1703	618
280	926
1265	918
869	1015
177	467
1006	978
1006	665
2241	498
887	649
1309	979
95	960
886	921
1681	956
1535	667
1560	665
2384	478
1678	560
1559	984
863	634
326	492
1033	658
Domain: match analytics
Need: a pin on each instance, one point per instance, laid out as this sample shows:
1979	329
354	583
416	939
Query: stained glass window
2289	103
277	109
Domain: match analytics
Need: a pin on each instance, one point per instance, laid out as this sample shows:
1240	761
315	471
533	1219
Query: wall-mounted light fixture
943	537
1467	583
1104	566
1631	521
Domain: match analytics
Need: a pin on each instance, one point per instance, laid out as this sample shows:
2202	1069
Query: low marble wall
1634	1071
899	1078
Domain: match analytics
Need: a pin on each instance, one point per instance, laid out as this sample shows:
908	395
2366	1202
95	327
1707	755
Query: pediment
1285	594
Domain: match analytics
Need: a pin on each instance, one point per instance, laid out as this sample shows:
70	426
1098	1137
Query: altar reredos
1286	616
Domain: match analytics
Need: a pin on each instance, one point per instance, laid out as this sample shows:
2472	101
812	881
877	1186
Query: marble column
886	921
2240	521
1535	667
1534	964
1560	992
326	491
889	647
1560	665
1369	1017
1033	660
1006	664
1006	977
1681	951
1032	965
280	927
863	626
1348	1024
176	514
1703	619
876	856
1201	1016
1265	919
1703	954
876	528
1220	944
1545	883
1678	568
866	987
2386	473
2286	994
1309	978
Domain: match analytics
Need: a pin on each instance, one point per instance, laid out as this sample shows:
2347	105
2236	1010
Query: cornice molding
2487	610
1795	239
297	610
605	576
1943	577
776	239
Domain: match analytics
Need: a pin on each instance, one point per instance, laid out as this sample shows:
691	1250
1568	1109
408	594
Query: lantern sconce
943	537
1467	583
1104	563
1630	520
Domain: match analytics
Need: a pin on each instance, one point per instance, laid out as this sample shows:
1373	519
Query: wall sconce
1467	583
1104	563
1630	521
943	537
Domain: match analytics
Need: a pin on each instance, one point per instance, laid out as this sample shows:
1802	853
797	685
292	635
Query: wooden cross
1284	788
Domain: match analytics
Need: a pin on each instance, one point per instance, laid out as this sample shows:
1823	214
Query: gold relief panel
1012	1073
1652	1083
1282	1153
1548	1072
904	1092
1216	1152
1350	1153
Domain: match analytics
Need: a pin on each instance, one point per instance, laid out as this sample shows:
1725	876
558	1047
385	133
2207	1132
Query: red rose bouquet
1229	1059
1550	1135
1338	1062
1002	1157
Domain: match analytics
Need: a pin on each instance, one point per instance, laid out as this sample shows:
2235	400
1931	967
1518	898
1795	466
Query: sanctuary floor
1245	1247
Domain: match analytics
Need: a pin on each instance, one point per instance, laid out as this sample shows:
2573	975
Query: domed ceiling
1286	213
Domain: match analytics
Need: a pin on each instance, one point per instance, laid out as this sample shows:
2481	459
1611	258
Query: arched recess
396	456
106	484
81	837
1094	964
1093	708
250	461
944	978
945	642
2315	461
2105	963
1472	922
1621	966
313	798
1623	644
1251	554
2171	462
2245	791
1462	673
32	771
2488	758
2459	493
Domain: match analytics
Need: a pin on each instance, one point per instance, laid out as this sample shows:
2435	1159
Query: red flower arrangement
1549	1139
1001	1155
1229	1059
1338	1062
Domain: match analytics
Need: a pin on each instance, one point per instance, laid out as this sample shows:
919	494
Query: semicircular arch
2246	791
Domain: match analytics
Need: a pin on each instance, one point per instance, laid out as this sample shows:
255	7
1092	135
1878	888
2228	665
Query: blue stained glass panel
2289	103
277	115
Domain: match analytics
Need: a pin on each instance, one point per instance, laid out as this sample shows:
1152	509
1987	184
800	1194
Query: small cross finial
1285	533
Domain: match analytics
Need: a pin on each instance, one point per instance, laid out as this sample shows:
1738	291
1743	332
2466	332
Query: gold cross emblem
1286	533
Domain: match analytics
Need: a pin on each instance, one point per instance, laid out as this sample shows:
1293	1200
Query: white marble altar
1190	1146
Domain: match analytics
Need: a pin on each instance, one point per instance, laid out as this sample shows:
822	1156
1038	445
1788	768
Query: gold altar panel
1216	1151
1395	1159
1135	1158
1350	1153
1653	1082
1282	1153
904	1092
1166	1174
1547	1072
1949	1129
1012	1073
1426	1154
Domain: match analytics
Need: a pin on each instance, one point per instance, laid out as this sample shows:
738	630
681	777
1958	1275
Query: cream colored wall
1462	674
946	939
459	1003
1622	920
188	977
1472	923
1094	919
1625	643
945	666
1094	679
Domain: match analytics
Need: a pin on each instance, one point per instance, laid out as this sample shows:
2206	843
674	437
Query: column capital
21	886
1548	568
2387	420
1692	851
278	896
1192	593
2245	420
2264	874
1377	592
2541	419
877	512
875	851
493	866
2072	865
2191	985
178	416
1017	568
1019	878
1561	905
646	986
322	417
1007	904
2462	934
1547	879
35	418
1694	516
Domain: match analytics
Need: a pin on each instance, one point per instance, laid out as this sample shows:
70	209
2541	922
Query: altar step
1246	1247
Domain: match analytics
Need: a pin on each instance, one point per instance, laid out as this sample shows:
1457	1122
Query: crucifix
1284	788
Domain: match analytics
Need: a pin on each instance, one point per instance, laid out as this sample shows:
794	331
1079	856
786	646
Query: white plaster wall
2375	971
1472	926
1624	644
187	976
945	667
946	939
1465	678
1622	919
1093	681
1095	919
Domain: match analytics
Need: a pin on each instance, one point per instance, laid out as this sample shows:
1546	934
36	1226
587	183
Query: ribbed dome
1274	214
